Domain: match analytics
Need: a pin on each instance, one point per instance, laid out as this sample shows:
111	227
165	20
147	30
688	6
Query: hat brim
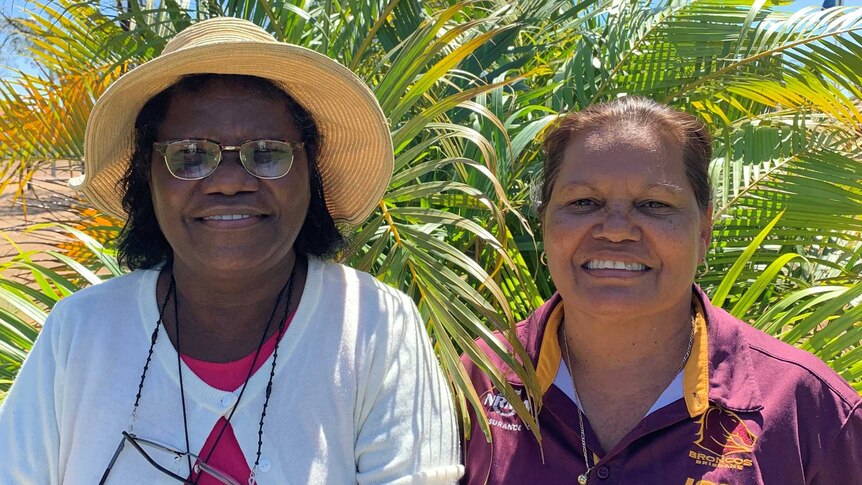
356	156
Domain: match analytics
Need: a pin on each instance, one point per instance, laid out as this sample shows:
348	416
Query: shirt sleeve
843	458
408	431
29	434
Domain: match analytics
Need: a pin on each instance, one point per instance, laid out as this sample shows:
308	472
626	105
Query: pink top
228	376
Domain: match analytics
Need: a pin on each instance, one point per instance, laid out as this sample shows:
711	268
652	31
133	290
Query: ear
705	235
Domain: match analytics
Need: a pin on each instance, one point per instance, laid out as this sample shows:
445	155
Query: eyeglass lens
140	444
196	159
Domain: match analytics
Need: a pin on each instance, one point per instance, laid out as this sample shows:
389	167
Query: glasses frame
162	148
198	467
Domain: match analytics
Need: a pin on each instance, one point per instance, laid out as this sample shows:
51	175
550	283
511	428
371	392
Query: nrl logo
497	407
723	436
494	402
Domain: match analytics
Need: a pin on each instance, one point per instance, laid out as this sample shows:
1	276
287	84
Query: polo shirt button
264	465
228	400
603	472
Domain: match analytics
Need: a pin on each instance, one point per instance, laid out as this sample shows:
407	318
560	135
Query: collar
719	369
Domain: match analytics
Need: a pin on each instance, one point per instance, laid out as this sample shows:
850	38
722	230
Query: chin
618	300
233	260
641	300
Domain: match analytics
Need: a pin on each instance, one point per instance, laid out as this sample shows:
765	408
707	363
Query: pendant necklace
583	478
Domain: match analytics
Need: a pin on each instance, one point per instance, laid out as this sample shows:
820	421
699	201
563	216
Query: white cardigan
357	397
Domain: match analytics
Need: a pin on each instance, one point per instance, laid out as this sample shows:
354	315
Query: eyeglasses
195	159
141	443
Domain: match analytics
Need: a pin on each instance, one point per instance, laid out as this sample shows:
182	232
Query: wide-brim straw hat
356	157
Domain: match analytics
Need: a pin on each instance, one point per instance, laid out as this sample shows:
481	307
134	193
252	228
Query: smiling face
623	231
230	220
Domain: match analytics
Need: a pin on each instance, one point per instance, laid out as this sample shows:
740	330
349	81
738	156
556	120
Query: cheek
563	225
293	197
167	194
156	191
561	237
295	189
680	242
161	209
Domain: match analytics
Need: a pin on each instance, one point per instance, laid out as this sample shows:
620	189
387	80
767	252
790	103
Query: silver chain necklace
583	478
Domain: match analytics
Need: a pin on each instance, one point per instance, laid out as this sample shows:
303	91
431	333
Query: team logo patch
723	440
500	411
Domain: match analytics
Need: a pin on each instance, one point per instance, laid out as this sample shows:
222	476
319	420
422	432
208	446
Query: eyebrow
666	186
658	185
576	184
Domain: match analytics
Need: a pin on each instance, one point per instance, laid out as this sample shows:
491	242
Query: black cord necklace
172	292
153	338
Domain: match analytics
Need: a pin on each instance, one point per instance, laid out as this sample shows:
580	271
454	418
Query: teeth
228	217
607	264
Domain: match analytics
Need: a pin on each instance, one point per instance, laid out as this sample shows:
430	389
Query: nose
617	225
230	177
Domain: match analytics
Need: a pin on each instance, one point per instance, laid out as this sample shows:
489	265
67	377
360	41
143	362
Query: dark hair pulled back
641	113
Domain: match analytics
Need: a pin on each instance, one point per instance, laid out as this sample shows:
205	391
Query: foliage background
467	87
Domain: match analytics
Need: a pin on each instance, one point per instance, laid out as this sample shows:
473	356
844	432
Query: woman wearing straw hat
233	353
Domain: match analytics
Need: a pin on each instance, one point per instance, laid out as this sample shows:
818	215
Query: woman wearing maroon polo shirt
643	380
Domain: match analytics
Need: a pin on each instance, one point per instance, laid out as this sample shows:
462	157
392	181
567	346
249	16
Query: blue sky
15	7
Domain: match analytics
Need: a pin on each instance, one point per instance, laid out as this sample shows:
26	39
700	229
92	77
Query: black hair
141	243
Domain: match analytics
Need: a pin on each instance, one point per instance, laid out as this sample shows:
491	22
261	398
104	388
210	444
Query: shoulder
802	404
80	325
371	312
358	287
336	273
123	287
113	295
800	370
529	332
788	376
485	344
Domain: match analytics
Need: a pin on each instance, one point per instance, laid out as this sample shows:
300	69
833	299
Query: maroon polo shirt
755	411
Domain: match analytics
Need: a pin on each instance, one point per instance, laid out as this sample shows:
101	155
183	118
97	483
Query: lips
227	217
609	264
228	212
230	217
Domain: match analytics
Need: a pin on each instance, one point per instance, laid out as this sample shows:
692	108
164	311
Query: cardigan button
603	472
264	465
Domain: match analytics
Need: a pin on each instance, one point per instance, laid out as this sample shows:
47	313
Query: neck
635	345
223	316
620	365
